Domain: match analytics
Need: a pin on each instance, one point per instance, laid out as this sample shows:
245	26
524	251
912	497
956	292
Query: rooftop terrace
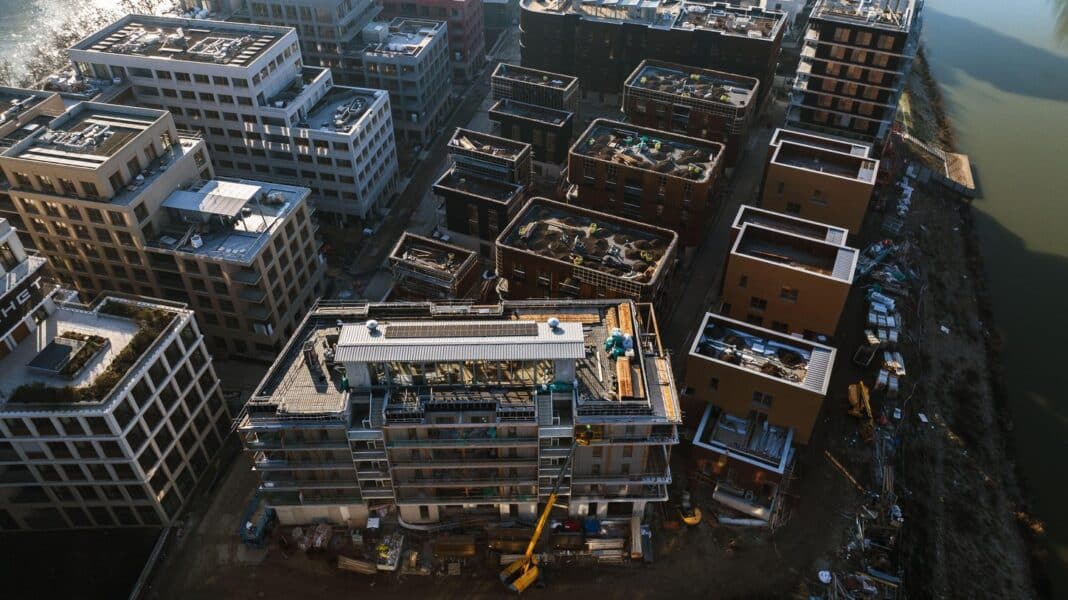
195	40
85	136
790	224
497	190
341	108
719	17
534	76
764	352
226	220
805	254
817	159
821	141
731	20
649	149
690	82
884	14
489	145
531	112
406	37
426	254
584	238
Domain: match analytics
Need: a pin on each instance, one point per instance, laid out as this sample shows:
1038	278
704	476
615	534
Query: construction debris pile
647	152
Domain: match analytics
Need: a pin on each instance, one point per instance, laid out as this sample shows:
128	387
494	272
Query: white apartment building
109	414
264	114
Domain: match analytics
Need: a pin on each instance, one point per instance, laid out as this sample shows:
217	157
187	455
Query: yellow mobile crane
524	571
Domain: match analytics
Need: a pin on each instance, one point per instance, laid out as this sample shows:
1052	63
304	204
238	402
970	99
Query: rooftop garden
151	322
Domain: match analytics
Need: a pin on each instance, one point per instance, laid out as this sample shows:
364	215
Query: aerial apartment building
556	250
19	107
537	108
701	103
758	393
466	24
485	186
603	41
856	59
788	282
646	175
264	114
428	269
821	178
409	58
109	413
443	409
118	199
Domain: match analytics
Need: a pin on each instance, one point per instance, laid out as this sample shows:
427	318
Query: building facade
701	103
819	178
555	250
646	175
856	59
429	269
444	409
790	283
118	199
109	414
602	42
757	393
263	113
467	29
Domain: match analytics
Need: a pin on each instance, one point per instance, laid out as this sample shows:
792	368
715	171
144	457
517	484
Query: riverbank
971	532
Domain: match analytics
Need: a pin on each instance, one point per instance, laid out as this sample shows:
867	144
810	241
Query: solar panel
452	330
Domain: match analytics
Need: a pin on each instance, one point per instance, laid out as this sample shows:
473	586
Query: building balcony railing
461	464
299	499
303	484
286	465
369	454
505	442
372	474
295	445
652	478
650	492
473	498
377	493
434	482
637	440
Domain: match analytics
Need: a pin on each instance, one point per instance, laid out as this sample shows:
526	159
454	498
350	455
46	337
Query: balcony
302	484
649	492
298	499
435	482
246	276
254	295
286	465
477	442
650	478
461	464
377	493
369	454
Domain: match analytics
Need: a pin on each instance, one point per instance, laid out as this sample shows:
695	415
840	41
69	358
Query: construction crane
524	571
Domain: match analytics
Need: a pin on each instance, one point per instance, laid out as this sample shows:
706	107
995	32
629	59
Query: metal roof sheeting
359	344
225	198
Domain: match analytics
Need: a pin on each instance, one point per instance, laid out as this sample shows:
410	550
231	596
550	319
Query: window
779	326
758	303
841	34
788	293
713	384
793	208
743	281
762	400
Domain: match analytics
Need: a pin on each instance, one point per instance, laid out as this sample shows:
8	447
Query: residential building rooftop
15	101
752	440
491	146
226	220
441	260
719	16
76	358
816	159
649	149
585	238
85	136
535	76
620	370
730	20
790	224
764	353
823	142
884	14
497	190
341	108
531	112
705	85
406	36
195	40
795	252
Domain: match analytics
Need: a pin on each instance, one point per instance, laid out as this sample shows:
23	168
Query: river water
1003	66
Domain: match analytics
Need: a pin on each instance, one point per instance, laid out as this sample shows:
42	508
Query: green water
1003	67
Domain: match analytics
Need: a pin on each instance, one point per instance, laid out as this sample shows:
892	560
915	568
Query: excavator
524	571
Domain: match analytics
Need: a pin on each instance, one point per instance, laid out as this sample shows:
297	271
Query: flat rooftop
407	37
15	101
194	40
488	145
649	150
24	365
86	136
341	108
523	74
425	254
752	440
764	352
497	190
531	112
821	141
895	15
629	385
720	17
706	85
796	252
226	220
584	238
790	224
818	160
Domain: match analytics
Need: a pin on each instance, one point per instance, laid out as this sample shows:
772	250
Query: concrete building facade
819	178
448	409
651	176
109	414
467	29
264	114
854	64
118	199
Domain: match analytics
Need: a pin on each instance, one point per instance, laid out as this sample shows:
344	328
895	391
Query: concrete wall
816	196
